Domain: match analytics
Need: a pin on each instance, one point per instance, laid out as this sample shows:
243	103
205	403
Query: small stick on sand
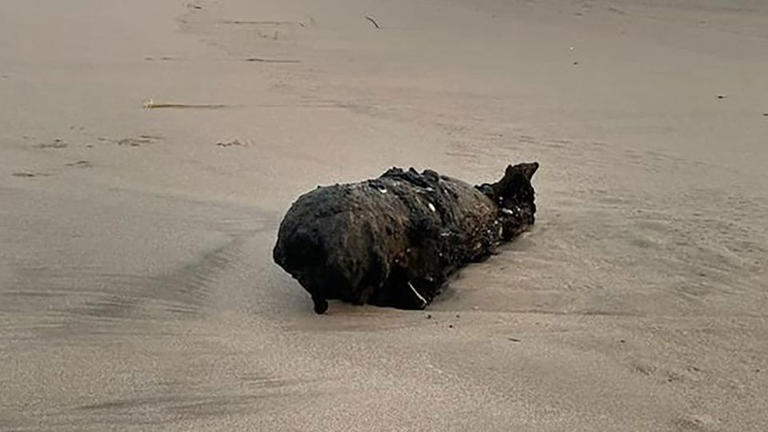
423	301
150	104
265	60
373	21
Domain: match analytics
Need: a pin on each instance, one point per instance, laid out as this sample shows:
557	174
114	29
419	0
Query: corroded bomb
394	240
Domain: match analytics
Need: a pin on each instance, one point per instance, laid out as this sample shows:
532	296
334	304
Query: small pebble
429	316
721	96
622	341
450	325
458	316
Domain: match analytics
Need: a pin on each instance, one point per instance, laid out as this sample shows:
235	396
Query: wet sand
149	149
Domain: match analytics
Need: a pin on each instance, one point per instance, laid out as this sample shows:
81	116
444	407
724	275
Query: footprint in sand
695	422
666	375
643	368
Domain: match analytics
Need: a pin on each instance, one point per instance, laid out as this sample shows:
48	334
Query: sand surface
137	290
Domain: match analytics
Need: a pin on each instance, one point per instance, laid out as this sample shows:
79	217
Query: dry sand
137	290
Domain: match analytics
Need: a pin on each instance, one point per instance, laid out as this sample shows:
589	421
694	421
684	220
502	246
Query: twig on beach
264	23
150	104
265	60
373	21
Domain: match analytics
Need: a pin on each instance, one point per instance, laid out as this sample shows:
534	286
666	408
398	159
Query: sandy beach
148	151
